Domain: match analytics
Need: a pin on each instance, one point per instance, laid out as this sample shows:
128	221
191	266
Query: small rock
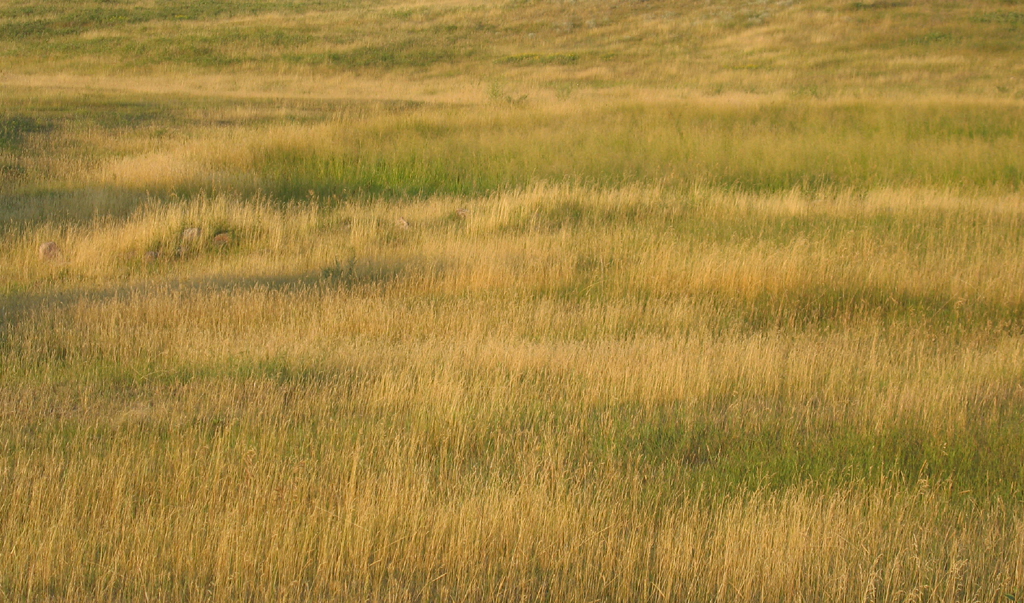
49	251
222	239
402	223
191	235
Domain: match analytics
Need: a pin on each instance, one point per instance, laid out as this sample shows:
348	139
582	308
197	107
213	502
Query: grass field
529	300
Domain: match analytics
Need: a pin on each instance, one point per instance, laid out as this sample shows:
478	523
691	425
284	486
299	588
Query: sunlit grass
504	403
538	301
402	150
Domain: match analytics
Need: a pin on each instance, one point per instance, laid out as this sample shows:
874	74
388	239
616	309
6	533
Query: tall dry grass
569	393
538	301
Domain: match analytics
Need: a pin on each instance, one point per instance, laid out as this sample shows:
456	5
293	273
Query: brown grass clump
190	236
50	251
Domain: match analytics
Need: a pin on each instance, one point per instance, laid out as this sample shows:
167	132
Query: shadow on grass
350	274
838	307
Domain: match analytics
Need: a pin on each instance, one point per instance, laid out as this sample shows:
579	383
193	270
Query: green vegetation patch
14	129
541	59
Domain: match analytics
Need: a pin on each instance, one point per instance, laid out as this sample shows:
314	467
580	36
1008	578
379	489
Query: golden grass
391	536
568	394
534	300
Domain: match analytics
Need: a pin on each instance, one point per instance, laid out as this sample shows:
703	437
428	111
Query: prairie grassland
539	301
809	48
570	393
